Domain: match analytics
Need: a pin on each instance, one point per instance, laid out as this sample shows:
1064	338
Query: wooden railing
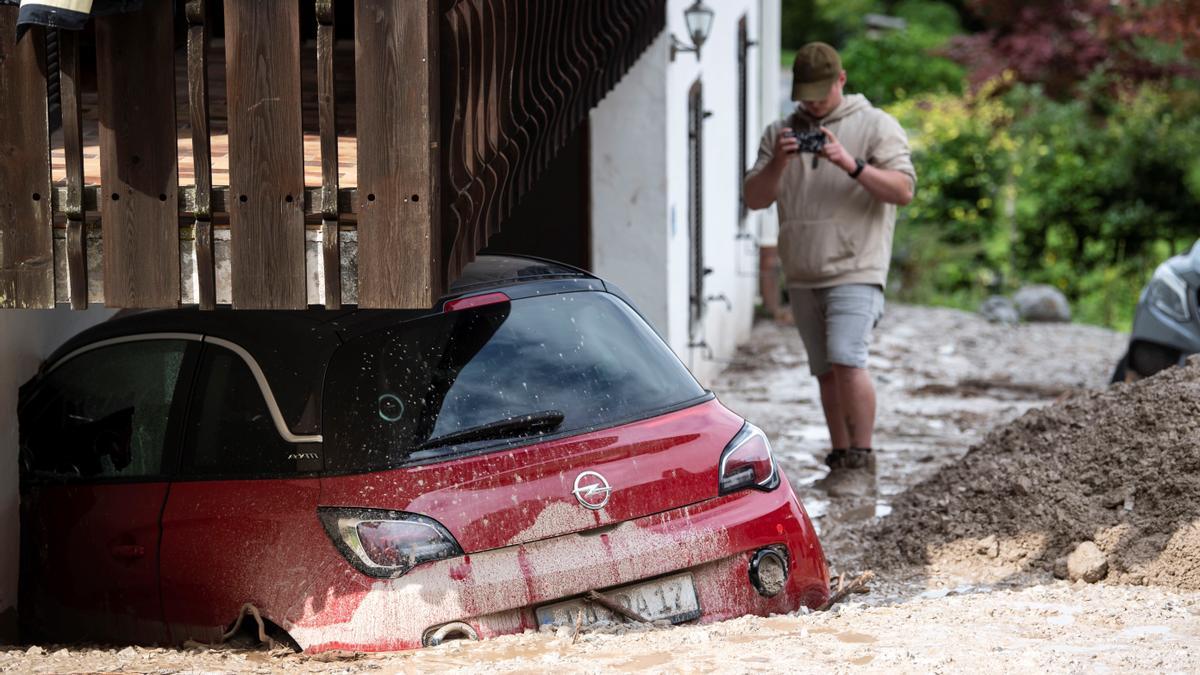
458	106
525	73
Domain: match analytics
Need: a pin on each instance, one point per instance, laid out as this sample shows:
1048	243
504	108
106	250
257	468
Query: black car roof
293	366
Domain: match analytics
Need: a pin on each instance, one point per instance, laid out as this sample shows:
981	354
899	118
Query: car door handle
128	551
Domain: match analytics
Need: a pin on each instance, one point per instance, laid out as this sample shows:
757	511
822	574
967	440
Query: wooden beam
72	123
327	122
266	167
399	241
197	76
138	164
26	241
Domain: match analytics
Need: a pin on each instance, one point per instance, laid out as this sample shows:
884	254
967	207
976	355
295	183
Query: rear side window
104	413
230	431
581	360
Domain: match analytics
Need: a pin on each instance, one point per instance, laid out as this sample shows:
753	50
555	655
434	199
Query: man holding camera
838	168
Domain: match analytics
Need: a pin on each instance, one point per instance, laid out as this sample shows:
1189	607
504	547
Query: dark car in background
1166	327
376	480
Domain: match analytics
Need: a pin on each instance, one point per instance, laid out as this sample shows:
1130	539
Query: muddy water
943	379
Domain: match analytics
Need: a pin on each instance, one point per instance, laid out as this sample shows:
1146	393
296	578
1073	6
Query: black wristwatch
859	165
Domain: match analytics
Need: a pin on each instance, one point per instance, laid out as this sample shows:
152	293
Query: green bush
952	242
1021	189
900	64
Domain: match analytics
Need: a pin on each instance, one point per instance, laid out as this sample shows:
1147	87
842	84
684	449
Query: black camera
810	141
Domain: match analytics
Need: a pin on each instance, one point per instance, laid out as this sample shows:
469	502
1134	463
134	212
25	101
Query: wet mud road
944	379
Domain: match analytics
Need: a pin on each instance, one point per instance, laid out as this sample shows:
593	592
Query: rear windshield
565	363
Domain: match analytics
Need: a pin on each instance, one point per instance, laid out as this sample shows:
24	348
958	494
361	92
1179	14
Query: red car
379	480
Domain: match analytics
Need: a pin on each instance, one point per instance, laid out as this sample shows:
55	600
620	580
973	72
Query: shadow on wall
27	337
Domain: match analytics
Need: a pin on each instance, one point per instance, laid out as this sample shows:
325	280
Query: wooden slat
458	175
136	85
26	242
266	170
327	118
399	243
72	123
197	76
497	163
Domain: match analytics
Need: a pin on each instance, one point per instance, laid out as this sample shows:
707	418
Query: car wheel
1149	358
1123	373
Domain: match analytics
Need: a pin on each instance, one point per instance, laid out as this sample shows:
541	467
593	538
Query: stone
35	651
1042	303
999	309
989	546
1087	563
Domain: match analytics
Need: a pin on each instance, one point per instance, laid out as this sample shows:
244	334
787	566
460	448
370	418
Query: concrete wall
640	181
26	337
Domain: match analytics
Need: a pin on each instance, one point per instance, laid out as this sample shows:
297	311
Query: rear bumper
496	592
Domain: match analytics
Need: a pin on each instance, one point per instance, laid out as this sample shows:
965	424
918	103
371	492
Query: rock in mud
989	546
999	309
1087	563
1042	303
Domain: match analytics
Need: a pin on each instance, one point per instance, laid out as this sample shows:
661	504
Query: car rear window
585	355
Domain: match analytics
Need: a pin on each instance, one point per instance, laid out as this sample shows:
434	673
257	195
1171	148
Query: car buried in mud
378	480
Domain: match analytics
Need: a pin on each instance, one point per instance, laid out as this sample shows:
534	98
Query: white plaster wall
629	185
733	259
770	98
26	338
640	181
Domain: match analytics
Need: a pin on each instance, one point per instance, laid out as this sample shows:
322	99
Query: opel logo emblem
592	490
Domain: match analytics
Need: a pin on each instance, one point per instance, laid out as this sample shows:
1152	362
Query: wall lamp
699	19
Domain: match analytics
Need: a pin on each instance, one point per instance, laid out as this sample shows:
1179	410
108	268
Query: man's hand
785	145
761	188
835	153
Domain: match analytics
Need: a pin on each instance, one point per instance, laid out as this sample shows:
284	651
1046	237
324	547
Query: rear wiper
511	427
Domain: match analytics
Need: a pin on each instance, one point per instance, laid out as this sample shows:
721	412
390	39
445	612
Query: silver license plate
671	598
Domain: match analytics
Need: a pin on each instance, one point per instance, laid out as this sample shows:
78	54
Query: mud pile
1119	467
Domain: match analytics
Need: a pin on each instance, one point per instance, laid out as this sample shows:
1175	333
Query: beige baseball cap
816	68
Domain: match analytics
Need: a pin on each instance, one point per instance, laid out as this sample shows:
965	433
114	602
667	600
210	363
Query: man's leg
810	322
851	312
835	411
856	394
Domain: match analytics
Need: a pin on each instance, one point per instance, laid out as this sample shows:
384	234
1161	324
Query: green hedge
1019	188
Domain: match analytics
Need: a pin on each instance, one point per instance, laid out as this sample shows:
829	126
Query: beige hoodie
831	230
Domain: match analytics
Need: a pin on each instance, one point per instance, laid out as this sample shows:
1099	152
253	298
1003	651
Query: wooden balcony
210	153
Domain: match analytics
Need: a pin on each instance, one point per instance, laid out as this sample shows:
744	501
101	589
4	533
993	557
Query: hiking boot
860	458
854	458
836	459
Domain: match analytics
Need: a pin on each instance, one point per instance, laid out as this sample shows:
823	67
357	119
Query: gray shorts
835	323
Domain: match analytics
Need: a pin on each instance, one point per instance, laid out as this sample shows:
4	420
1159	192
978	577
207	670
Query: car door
240	525
99	434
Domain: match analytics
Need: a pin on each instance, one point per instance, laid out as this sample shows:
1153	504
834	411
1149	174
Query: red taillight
472	301
747	462
387	543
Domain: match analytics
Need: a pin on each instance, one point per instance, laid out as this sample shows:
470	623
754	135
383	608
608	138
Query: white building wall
771	99
640	145
629	185
26	338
